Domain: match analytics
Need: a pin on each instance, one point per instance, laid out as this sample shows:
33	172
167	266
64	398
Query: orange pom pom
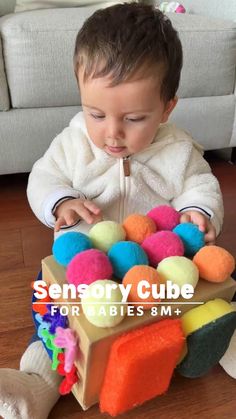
215	264
141	365
138	227
137	274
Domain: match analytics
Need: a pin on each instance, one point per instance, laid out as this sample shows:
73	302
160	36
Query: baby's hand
203	223
72	210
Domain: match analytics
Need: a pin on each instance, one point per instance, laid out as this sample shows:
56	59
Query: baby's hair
122	39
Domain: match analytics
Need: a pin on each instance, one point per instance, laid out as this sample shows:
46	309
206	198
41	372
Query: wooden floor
24	242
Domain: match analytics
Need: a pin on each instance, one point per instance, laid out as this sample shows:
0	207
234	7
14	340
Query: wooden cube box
95	343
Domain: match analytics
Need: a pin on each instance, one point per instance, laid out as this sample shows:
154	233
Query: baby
118	156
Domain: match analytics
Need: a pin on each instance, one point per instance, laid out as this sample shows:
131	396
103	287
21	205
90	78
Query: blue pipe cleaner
55	320
43	325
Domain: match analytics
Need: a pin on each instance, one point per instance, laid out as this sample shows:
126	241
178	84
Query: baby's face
123	120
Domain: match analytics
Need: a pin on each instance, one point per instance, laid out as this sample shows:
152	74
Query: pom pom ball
88	266
98	310
138	227
215	264
162	245
165	217
124	255
179	270
191	236
68	245
104	234
134	276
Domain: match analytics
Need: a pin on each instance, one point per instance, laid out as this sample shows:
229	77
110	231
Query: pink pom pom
165	217
88	266
180	9
162	245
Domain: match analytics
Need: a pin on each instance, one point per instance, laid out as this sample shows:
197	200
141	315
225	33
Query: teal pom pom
191	236
124	255
68	245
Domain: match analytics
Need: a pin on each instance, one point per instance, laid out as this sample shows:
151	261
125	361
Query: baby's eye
96	116
141	118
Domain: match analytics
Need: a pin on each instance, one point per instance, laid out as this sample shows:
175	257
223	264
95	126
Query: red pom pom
162	245
165	217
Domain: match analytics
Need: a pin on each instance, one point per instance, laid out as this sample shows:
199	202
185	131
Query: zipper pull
126	166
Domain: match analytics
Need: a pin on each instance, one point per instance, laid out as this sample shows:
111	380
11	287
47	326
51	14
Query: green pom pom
104	234
100	308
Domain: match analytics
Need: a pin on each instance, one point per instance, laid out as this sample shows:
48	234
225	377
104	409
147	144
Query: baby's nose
115	130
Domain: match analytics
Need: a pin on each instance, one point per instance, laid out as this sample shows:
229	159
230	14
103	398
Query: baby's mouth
115	149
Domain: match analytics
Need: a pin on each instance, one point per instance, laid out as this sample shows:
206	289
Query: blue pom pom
191	236
68	245
124	255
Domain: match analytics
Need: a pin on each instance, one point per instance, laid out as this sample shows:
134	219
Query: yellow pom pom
179	270
106	233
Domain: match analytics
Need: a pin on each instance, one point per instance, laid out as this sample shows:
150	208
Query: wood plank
13	344
11	252
37	244
186	398
16	293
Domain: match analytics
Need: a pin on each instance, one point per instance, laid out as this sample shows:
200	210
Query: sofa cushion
38	50
23	5
209	47
222	9
7	7
4	96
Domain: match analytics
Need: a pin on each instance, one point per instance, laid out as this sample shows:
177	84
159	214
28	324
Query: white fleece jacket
169	171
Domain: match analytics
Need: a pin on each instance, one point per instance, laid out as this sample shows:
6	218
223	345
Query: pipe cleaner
49	342
70	377
65	338
43	325
55	320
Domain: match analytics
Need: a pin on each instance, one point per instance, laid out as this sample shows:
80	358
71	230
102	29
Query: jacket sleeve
50	180
200	190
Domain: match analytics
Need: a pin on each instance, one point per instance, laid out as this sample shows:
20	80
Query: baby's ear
169	106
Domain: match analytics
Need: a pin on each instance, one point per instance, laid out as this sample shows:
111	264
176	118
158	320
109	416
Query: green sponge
207	345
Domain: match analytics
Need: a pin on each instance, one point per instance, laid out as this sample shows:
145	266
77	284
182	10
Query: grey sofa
38	92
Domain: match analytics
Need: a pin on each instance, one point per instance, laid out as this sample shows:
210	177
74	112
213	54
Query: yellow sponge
204	314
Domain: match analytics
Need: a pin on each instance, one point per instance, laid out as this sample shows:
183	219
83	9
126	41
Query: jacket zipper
124	179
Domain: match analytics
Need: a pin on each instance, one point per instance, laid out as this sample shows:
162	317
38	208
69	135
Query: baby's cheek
96	136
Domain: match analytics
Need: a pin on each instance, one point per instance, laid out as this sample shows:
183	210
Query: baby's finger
92	207
202	227
200	220
185	218
71	217
59	223
85	214
97	218
210	236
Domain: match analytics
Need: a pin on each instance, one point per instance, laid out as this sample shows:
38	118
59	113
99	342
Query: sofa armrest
4	94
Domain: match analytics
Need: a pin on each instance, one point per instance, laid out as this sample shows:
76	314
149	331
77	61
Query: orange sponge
214	263
138	227
140	365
